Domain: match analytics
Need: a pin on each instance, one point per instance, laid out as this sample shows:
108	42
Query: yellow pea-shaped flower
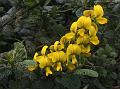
84	21
98	11
48	71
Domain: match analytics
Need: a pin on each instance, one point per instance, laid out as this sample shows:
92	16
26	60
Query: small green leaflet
86	72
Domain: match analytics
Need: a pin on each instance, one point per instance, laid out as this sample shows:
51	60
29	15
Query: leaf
108	49
78	12
86	72
26	63
102	72
47	2
18	54
29	3
29	62
20	51
70	82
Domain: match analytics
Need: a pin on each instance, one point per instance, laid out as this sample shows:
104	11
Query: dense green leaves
70	82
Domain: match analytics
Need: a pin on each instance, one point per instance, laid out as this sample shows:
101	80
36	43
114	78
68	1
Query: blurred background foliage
42	22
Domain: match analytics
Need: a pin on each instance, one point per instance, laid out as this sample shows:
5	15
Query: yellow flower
92	31
35	57
73	27
94	40
67	38
81	32
56	47
88	13
83	39
43	59
98	12
95	26
71	66
73	49
58	66
74	60
57	56
84	22
85	49
43	51
63	40
70	35
101	20
48	71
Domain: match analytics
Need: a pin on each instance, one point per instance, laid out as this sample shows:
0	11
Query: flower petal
92	31
70	66
98	11
70	35
48	71
84	21
73	49
101	20
81	32
94	40
85	49
88	13
74	60
35	56
43	51
59	67
56	45
80	22
87	23
73	27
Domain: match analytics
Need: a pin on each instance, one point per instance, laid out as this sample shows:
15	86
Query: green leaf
78	12
108	49
47	2
28	63
18	54
29	3
86	72
70	82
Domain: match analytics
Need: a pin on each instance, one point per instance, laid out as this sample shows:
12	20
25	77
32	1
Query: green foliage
12	60
86	72
5	73
18	54
29	3
104	56
70	82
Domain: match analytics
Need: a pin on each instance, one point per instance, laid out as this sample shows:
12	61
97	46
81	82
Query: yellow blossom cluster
82	35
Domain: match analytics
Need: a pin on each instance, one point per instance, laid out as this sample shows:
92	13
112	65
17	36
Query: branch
8	16
11	14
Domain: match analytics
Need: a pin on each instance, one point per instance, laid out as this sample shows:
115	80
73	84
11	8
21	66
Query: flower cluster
82	35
